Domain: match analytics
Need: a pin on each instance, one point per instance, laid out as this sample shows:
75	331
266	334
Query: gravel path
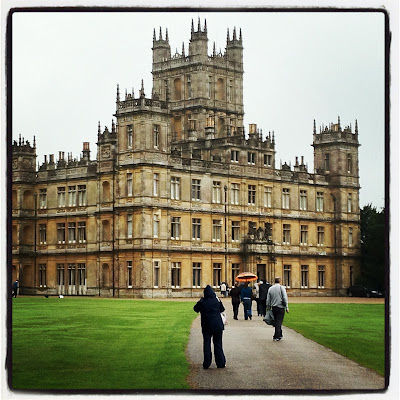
256	362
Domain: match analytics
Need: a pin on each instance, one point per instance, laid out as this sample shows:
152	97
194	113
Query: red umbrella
246	277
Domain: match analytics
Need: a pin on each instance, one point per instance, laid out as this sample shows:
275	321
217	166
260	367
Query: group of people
268	297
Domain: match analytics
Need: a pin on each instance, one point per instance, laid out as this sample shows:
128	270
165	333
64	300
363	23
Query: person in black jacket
235	294
212	326
263	291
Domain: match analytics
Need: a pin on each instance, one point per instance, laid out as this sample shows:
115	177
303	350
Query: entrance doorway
261	272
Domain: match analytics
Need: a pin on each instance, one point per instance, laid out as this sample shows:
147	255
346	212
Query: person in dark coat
212	326
263	291
235	294
245	296
15	286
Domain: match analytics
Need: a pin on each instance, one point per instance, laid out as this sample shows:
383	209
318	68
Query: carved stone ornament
105	152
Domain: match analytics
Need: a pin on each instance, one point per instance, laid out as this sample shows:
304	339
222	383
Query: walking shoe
250	316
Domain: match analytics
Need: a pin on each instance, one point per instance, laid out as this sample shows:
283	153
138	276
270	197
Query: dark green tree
373	237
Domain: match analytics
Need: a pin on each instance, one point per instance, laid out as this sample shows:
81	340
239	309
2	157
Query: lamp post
225	233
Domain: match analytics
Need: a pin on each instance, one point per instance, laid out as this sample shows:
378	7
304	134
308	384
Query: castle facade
179	196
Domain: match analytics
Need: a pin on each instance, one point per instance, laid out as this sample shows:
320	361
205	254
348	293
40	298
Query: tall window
230	91
61	196
287	275
235	271
303	234
129	136
175	228
251	158
217	228
235	231
81	231
216	192
129	274
156	136
196	274
349	203
235	156
350	237
327	162
304	276
320	235
209	87
196	189
81	195
43	198
61	232
156	225
60	274
321	276
267	160
42	233
156	185
175	274
286	198
235	193
196	228
71	232
286	234
189	86
42	275
349	164
129	225
252	194
71	274
129	184
72	196
303	200
81	274
175	188
320	201
351	275
156	278
268	196
217	267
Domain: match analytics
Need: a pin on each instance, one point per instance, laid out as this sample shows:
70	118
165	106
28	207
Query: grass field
91	343
356	331
111	344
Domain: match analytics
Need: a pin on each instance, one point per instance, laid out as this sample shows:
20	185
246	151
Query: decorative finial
154	35
234	33
192	26
214	50
339	121
205	25
356	128
166	34
240	34
34	141
142	90
198	25
117	92
160	34
227	36
112	126
315	128
183	49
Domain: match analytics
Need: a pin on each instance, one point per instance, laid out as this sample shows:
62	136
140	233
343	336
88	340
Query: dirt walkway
256	362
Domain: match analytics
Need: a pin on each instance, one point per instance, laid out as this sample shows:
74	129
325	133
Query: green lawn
357	331
106	344
91	343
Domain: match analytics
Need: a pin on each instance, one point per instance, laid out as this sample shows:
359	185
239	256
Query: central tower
203	91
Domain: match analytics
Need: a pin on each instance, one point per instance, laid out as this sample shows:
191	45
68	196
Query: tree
372	247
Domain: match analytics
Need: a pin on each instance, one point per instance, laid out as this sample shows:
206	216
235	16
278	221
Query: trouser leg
279	313
218	350
235	310
207	349
263	307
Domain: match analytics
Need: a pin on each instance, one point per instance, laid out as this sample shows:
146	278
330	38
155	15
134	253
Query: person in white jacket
277	301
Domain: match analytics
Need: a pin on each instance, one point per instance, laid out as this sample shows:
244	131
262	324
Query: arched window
106	230
14	200
220	89
177	89
106	191
177	128
27	200
221	127
105	275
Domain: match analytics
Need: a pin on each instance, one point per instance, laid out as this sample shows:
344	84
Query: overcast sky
298	67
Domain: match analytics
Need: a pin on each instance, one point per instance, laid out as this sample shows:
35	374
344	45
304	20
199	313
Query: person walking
245	296
15	286
263	291
235	295
257	289
277	300
223	289
210	308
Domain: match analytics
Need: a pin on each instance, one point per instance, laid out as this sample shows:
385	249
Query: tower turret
198	44
234	47
161	48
